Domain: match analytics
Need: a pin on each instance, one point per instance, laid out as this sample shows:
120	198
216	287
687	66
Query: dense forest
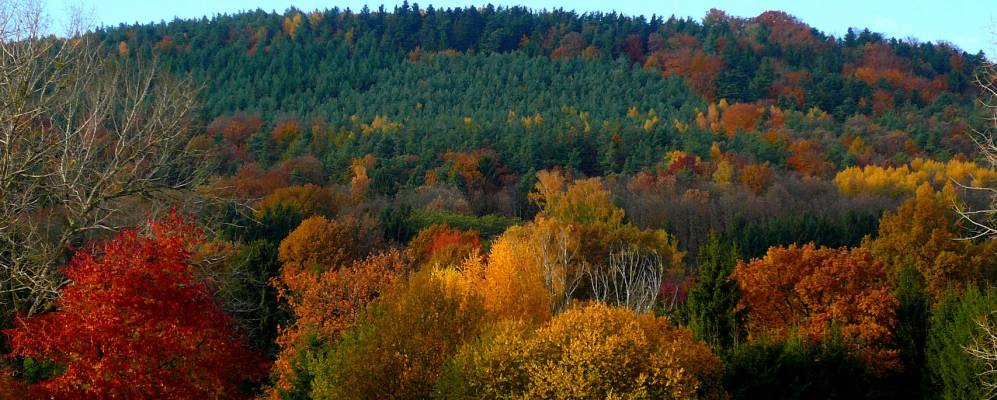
493	202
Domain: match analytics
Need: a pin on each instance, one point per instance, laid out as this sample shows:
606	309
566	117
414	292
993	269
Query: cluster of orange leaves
814	291
327	279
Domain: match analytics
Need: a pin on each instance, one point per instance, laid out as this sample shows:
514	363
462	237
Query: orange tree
819	293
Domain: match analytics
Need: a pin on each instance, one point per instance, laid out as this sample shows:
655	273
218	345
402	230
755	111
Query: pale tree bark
632	279
982	221
84	136
984	348
557	254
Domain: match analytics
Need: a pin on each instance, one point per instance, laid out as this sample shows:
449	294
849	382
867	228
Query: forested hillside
493	202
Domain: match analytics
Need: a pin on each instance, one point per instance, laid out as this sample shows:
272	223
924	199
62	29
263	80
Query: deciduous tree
136	323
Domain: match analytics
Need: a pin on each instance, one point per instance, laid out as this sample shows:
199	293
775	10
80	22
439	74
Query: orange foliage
235	129
512	283
740	116
320	244
441	245
286	131
699	68
756	177
291	24
251	181
327	302
819	290
807	158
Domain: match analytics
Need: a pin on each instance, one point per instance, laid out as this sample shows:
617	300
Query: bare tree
982	221
83	137
984	348
631	279
557	253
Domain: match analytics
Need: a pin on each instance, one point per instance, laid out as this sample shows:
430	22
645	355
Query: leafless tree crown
84	135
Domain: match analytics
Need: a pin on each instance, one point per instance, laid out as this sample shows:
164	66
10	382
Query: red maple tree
135	322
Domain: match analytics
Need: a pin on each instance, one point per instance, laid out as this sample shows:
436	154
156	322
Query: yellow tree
922	234
591	352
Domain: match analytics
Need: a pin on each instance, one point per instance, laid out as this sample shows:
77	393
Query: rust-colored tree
820	292
442	245
136	323
756	177
740	117
327	280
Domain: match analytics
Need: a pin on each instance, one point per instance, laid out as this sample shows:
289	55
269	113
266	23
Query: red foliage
633	46
685	162
571	46
136	323
441	244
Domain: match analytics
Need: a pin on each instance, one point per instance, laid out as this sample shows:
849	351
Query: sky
969	24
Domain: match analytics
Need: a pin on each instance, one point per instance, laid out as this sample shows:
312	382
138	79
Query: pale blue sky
969	24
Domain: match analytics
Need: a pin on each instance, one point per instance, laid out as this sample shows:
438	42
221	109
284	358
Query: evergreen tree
712	302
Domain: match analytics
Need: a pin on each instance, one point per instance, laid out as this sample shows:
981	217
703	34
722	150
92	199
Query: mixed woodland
493	202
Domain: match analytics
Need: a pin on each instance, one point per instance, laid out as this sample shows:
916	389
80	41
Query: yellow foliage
921	234
291	24
905	179
582	201
592	352
513	283
724	175
400	350
360	182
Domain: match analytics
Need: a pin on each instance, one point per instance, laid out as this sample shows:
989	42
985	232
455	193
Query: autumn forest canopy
493	202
